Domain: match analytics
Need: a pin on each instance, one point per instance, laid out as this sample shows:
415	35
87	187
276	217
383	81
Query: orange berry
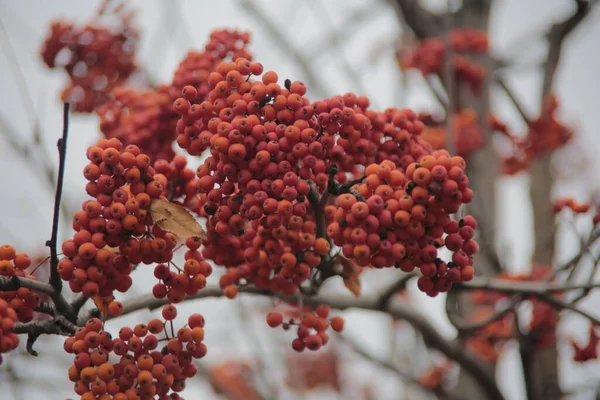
322	246
22	261
115	308
337	324
7	252
230	291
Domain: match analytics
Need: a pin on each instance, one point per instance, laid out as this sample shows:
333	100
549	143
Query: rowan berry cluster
146	367
175	283
8	339
146	118
96	58
113	231
177	180
23	301
428	57
400	220
466	132
268	145
142	118
569	203
195	68
312	327
590	350
545	134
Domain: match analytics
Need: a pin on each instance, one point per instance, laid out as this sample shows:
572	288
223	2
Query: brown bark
482	166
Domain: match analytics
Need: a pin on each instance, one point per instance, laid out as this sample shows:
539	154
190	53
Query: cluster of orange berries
121	179
466	132
97	60
311	331
146	118
428	57
401	219
177	180
569	203
196	67
142	118
145	368
23	301
8	318
176	284
267	143
545	134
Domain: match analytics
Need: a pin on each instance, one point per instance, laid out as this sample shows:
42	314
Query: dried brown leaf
176	219
351	273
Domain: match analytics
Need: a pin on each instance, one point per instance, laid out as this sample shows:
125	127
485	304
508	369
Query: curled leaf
176	219
350	273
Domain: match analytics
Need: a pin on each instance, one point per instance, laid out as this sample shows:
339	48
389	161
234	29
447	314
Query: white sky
516	26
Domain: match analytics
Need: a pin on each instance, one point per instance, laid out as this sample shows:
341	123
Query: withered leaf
176	219
350	274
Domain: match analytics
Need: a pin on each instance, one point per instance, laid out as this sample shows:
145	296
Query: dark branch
396	309
556	36
400	284
55	281
513	98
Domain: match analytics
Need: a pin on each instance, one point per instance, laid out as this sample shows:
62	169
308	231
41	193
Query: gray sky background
169	29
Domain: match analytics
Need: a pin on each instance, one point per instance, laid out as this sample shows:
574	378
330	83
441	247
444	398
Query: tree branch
61	305
403	375
513	98
422	22
397	309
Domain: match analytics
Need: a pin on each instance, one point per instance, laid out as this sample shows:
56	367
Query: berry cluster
177	282
98	59
146	118
121	179
429	56
195	68
466	132
145	369
590	350
268	145
8	339
401	218
312	327
569	203
545	134
142	118
23	301
177	180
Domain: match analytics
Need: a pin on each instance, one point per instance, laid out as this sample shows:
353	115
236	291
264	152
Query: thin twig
464	326
513	98
55	280
400	284
406	376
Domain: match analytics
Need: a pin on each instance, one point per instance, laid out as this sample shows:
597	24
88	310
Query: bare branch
531	288
513	98
55	280
422	22
16	282
400	284
397	309
464	326
405	376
